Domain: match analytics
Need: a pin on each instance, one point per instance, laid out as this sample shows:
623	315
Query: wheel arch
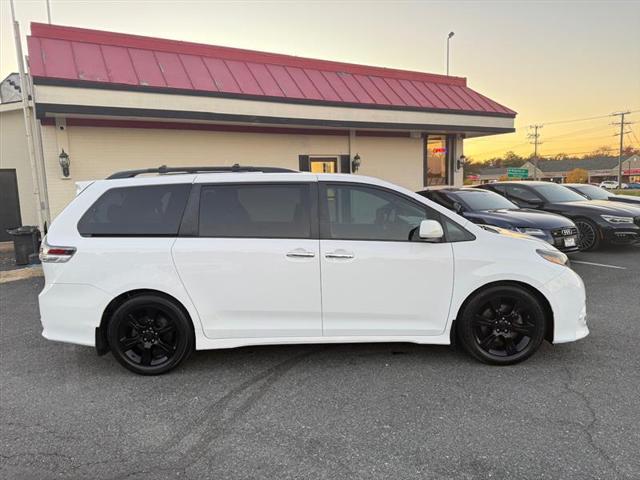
549	320
102	343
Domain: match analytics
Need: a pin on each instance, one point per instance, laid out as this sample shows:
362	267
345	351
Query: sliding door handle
299	253
339	255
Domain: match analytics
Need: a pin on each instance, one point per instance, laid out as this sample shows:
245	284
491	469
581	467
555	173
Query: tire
150	335
589	234
502	325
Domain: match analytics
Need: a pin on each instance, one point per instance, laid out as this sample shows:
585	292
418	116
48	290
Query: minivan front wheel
149	334
502	325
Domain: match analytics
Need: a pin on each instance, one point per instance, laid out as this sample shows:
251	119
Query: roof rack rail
163	169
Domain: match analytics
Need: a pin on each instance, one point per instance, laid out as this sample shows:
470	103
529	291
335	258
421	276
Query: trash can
26	244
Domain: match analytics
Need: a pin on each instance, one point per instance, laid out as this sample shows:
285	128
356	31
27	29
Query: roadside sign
517	172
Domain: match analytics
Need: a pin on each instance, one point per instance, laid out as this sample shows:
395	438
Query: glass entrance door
323	164
436	163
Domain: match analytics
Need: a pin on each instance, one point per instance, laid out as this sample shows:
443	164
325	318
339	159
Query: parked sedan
488	208
598	221
612	184
591	192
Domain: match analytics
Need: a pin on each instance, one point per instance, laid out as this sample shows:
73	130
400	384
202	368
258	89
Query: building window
323	164
436	160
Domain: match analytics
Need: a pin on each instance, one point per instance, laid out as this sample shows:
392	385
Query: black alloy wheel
149	335
589	237
502	325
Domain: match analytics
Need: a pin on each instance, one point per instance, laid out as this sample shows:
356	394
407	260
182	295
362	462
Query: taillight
55	254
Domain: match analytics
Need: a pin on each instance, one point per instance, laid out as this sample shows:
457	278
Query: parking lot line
598	264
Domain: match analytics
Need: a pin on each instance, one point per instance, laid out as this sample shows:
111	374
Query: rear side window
150	210
255	211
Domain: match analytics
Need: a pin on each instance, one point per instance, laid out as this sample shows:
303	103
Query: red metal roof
80	55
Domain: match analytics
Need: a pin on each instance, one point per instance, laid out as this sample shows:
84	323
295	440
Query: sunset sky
549	60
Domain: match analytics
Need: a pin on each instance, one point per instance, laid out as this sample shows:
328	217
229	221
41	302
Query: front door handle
300	253
342	255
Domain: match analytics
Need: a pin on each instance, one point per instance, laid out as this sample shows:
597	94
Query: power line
578	132
581	139
583	119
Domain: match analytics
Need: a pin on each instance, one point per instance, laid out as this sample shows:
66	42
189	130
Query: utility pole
535	140
48	13
622	124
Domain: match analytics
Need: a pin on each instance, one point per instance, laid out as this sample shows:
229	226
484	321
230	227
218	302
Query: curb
20	274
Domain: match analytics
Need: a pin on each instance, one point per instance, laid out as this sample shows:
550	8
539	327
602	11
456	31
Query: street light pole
451	34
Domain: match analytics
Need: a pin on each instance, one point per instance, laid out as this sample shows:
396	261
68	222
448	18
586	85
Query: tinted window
443	199
136	211
255	211
595	193
556	193
522	193
479	200
365	213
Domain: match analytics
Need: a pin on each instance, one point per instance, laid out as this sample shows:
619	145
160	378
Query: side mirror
430	230
458	208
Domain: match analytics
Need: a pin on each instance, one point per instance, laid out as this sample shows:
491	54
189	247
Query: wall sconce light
461	161
64	161
355	163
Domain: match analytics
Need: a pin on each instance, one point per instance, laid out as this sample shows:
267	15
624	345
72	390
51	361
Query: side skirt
203	343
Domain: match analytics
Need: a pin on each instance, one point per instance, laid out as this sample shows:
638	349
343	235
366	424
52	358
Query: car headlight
618	220
554	256
531	231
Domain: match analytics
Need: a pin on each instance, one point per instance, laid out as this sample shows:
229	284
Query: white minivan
151	267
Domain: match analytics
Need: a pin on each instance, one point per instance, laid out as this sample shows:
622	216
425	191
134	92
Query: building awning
65	57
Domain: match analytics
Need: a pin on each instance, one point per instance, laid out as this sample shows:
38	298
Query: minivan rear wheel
502	325
150	335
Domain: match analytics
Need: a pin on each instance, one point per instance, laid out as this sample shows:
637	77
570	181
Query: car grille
564	232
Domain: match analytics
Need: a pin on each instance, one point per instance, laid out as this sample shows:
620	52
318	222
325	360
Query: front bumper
561	240
623	234
567	298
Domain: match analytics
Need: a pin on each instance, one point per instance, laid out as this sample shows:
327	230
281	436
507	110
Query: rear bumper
71	312
567	297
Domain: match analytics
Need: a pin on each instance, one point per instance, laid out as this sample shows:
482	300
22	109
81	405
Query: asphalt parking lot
331	412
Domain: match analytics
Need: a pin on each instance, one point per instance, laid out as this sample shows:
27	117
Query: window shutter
303	163
345	164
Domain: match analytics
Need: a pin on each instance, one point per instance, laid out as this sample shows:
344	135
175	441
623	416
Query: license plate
570	242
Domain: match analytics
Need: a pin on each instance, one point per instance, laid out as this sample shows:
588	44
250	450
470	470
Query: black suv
597	220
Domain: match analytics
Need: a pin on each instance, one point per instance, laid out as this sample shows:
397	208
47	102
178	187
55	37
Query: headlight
554	257
614	219
531	231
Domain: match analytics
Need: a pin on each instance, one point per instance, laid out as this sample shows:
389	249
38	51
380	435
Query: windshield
555	193
483	200
594	192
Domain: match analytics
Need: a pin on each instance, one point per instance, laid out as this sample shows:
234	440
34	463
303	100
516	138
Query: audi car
598	221
488	208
